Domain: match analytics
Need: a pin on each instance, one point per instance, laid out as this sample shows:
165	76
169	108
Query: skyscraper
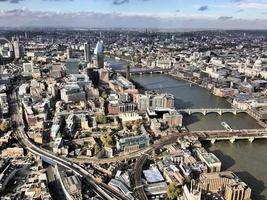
69	53
87	54
99	54
17	51
128	72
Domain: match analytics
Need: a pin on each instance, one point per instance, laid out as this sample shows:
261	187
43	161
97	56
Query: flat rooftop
153	176
211	158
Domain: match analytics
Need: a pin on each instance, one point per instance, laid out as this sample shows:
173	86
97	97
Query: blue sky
224	14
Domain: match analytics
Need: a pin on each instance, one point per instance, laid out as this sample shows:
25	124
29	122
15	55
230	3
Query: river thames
247	160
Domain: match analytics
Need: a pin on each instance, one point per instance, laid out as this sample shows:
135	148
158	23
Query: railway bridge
206	111
232	136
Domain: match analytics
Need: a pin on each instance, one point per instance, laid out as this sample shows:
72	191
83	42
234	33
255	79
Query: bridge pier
151	72
232	140
204	112
220	112
213	141
235	112
251	139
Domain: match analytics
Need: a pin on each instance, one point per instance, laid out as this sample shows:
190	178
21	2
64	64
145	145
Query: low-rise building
13	152
134	143
192	194
72	93
226	183
173	118
212	162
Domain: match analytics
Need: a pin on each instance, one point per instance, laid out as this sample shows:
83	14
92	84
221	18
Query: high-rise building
28	67
72	66
99	54
69	53
17	49
87	53
128	72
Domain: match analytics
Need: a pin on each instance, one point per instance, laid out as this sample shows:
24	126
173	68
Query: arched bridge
206	111
144	70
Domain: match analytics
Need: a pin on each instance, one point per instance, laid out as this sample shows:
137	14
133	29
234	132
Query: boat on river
226	126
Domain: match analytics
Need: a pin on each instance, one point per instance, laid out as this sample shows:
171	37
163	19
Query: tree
173	191
4	126
96	149
104	95
187	179
106	140
135	127
101	119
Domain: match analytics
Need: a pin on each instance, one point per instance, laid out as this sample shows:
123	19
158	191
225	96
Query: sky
163	14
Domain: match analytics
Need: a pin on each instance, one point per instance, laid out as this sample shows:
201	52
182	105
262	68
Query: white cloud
26	17
243	5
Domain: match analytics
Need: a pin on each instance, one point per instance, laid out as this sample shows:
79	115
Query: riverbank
187	80
193	96
229	100
247	160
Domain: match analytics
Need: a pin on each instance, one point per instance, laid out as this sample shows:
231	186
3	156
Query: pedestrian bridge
206	111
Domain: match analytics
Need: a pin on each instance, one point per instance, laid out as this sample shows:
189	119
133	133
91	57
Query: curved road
103	190
139	189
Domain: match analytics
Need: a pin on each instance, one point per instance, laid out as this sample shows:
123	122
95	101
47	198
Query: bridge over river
232	136
206	111
144	70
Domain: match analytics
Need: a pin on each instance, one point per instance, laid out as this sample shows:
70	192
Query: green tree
4	126
173	191
187	179
96	149
106	140
135	128
101	119
104	95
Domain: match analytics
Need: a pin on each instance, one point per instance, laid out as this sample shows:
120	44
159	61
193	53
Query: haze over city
171	14
133	99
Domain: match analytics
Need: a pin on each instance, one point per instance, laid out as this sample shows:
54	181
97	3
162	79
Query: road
103	190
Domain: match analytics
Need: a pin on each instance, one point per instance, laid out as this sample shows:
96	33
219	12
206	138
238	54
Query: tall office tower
128	39
87	53
69	53
128	72
99	54
17	51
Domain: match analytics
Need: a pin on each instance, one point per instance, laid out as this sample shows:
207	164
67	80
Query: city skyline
176	14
